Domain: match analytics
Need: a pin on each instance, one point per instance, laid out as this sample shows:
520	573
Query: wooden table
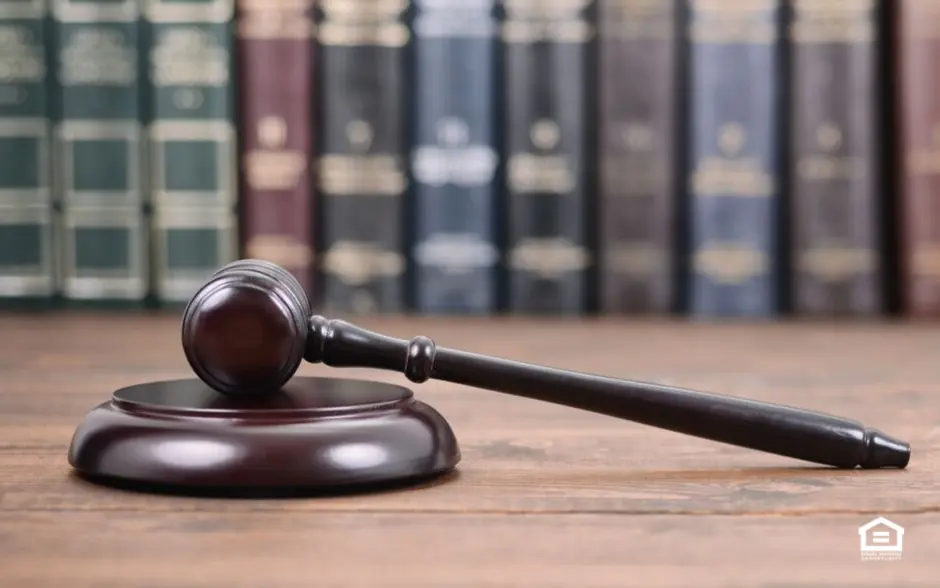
545	495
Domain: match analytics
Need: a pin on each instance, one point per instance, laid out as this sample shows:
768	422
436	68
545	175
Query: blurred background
716	159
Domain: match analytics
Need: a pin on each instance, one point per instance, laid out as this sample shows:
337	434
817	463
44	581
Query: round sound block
316	433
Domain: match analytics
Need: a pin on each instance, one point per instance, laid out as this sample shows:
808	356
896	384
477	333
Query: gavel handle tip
885	452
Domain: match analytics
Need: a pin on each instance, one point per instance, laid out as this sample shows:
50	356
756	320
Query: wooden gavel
247	330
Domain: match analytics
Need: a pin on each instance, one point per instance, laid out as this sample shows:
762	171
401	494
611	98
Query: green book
27	272
103	240
192	165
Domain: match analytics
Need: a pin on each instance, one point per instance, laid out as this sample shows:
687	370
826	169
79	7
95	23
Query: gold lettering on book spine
836	263
637	258
283	250
363	22
542	171
730	263
98	56
730	173
633	170
191	58
361	173
549	257
21	58
275	19
734	21
271	166
637	19
833	21
925	261
826	163
924	160
556	21
358	263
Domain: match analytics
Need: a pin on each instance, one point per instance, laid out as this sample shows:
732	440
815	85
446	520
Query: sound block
315	434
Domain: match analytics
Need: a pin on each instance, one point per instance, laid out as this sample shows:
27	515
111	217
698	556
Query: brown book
275	53
836	158
637	193
918	140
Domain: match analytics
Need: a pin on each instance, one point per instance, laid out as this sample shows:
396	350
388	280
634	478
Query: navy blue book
734	158
454	157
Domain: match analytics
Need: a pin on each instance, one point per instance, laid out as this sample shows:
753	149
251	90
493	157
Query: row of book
710	157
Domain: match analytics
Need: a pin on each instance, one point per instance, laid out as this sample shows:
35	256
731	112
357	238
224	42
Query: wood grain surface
544	495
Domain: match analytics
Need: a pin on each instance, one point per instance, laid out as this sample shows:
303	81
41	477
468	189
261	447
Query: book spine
192	150
836	159
638	61
918	123
734	158
362	159
455	156
98	154
547	61
276	81
27	273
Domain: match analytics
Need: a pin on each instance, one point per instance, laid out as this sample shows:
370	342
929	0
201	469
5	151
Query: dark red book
918	143
275	58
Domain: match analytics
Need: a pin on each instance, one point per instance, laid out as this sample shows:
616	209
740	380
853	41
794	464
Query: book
734	158
102	224
276	107
547	95
192	147
836	158
917	115
27	271
361	168
639	66
454	156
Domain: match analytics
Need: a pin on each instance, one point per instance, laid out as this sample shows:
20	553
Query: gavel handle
762	426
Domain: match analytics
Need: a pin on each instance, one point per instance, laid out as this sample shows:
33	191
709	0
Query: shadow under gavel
247	330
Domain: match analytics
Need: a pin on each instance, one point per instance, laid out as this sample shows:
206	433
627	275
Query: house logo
881	540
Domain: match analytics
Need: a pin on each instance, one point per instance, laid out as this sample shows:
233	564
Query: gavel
247	330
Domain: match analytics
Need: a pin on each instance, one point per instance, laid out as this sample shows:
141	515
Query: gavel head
245	329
